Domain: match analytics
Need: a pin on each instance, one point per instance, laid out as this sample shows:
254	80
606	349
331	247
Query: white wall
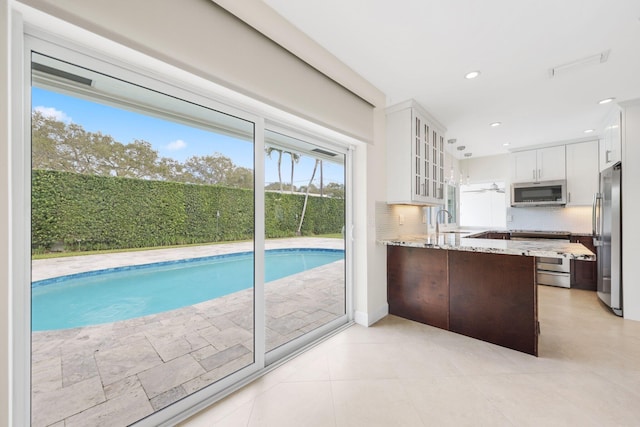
630	209
5	225
485	169
203	38
376	255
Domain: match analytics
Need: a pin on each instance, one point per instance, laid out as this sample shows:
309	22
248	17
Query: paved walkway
117	373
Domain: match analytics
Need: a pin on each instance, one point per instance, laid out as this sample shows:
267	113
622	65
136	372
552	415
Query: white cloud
53	113
176	145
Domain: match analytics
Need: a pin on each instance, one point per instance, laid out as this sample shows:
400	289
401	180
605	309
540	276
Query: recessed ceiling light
468	154
460	148
472	75
589	130
452	141
495	124
506	144
605	101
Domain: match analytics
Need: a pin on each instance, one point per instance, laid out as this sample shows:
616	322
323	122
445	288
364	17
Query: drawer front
554	279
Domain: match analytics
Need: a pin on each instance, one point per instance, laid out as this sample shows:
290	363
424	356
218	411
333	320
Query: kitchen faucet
438	216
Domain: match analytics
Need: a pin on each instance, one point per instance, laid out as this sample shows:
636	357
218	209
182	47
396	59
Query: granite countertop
459	241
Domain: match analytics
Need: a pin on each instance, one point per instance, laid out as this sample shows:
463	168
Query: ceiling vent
599	58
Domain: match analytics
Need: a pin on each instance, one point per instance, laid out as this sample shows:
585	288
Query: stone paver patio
117	373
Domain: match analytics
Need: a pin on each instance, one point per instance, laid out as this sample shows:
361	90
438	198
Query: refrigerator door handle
595	218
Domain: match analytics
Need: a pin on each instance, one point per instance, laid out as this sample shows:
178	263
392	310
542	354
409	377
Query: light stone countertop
461	242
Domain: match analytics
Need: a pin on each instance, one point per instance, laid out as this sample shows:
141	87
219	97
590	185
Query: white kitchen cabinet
582	173
611	142
543	164
415	156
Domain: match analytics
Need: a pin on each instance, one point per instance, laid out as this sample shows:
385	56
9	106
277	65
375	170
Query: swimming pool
106	296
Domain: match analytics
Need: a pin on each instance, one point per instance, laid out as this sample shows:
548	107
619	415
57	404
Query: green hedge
85	212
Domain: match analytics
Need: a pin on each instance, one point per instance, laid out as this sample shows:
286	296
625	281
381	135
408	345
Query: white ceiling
422	49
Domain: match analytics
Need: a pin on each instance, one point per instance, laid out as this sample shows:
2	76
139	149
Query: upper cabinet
611	143
582	173
415	156
543	164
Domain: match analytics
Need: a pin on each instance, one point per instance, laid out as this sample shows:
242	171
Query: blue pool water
106	296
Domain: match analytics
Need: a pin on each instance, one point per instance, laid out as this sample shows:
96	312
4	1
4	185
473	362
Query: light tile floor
117	373
403	373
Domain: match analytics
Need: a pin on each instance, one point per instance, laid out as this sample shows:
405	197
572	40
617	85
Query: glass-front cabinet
415	156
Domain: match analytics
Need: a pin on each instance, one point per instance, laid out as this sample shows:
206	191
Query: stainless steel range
550	271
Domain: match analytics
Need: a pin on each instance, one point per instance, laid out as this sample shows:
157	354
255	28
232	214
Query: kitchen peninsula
482	288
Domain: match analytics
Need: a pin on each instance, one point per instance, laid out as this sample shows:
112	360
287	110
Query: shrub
86	212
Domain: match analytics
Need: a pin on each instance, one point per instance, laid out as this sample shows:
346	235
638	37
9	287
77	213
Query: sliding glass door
177	246
142	247
305	287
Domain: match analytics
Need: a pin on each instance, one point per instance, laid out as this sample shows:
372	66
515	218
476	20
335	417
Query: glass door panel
142	247
305	222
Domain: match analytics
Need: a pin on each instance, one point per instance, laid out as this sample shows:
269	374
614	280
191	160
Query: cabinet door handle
607	159
569	197
539	173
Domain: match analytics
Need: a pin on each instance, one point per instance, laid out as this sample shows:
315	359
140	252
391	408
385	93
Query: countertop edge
573	251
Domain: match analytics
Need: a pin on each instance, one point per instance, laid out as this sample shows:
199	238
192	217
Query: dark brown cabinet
491	297
584	274
418	285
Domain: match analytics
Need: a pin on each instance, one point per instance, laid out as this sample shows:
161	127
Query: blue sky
170	139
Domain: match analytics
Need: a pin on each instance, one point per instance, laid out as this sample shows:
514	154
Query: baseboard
368	319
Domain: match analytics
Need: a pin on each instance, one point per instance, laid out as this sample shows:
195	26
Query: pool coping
93	273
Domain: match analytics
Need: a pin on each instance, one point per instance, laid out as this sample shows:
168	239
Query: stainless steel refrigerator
607	237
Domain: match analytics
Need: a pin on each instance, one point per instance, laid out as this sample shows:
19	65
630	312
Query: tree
173	170
306	196
295	158
273	186
211	169
270	151
321	179
70	148
46	135
310	187
137	159
240	177
335	190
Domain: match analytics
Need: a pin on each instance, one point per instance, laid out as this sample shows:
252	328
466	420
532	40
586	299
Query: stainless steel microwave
545	193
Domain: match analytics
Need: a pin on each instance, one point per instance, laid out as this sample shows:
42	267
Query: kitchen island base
491	297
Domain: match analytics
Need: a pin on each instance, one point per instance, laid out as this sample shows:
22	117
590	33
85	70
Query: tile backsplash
396	220
576	219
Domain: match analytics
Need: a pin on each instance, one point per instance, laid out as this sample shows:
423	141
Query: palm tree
295	158
306	196
321	179
269	151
